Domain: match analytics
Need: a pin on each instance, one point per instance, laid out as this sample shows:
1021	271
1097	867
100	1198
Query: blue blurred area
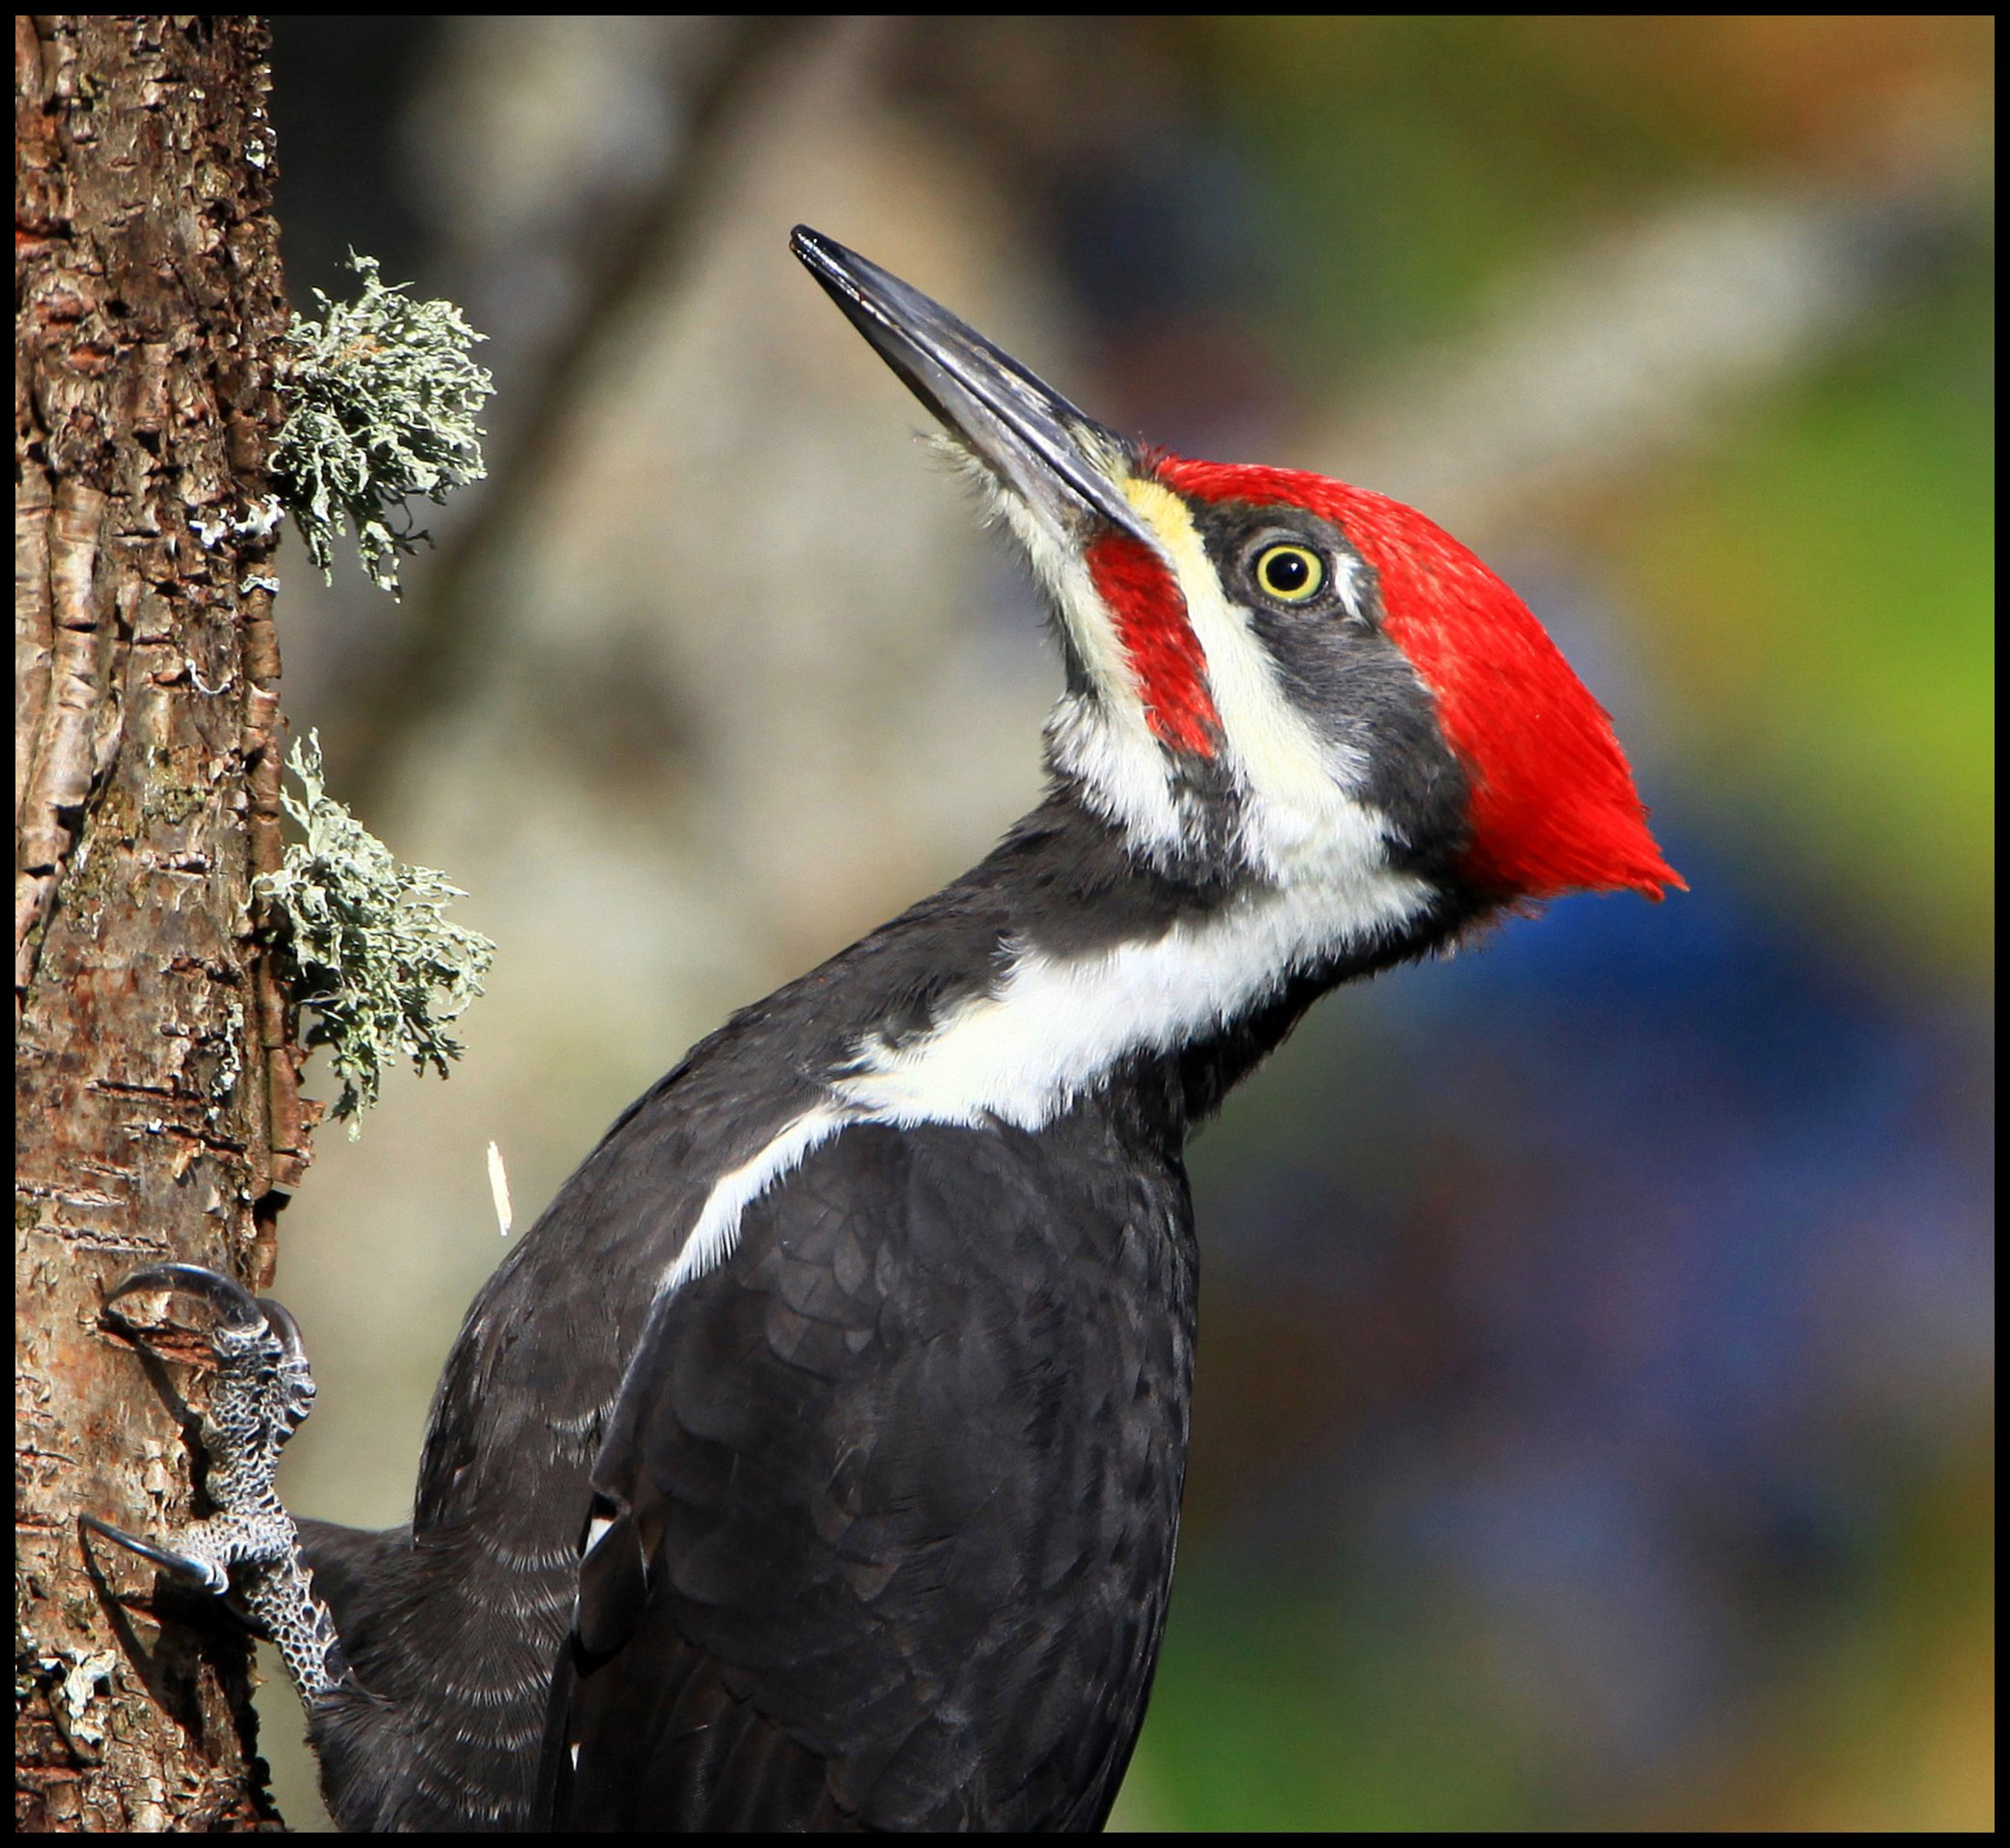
1661	1237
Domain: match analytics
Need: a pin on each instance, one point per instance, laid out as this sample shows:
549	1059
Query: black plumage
900	1480
815	1460
897	1489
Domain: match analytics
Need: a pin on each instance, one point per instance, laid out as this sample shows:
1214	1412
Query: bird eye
1291	573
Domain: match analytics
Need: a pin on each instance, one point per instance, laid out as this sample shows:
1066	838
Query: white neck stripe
1057	1027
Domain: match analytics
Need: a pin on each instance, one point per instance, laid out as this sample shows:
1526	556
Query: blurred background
1594	1422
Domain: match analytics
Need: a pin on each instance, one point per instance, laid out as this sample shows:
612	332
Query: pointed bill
1062	465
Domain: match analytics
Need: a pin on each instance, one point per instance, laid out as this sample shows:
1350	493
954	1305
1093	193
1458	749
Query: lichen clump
368	947
382	398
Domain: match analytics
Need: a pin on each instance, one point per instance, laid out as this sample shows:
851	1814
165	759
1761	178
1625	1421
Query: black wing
893	1494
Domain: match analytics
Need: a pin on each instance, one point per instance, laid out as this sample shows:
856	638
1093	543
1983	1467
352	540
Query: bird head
1272	677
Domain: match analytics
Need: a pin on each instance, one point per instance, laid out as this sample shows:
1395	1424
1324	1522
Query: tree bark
159	1115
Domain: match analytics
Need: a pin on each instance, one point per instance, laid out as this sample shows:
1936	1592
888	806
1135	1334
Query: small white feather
498	1188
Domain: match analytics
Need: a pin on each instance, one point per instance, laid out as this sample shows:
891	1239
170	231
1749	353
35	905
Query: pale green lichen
382	398
369	948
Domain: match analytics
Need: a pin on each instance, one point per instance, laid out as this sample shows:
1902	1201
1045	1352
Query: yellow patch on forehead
1165	513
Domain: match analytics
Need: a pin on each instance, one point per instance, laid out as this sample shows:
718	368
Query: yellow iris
1291	573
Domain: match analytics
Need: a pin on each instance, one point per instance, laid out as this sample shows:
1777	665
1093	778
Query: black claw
197	1572
229	1298
295	1381
280	1318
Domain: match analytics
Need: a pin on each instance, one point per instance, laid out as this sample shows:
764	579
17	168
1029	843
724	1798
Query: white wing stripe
712	1239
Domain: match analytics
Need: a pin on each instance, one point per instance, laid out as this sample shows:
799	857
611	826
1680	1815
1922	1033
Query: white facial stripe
1300	816
1123	775
1103	740
1299	813
1346	582
1064	573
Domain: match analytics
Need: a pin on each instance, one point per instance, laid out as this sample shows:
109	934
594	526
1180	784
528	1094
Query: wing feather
892	1496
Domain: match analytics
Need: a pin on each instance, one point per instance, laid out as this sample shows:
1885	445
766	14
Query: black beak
1061	464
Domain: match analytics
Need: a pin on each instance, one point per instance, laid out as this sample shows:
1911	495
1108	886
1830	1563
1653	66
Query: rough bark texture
159	1115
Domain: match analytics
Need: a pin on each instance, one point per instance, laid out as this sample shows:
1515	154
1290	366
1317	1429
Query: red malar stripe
1159	640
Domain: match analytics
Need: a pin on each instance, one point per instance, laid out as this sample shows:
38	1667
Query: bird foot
262	1393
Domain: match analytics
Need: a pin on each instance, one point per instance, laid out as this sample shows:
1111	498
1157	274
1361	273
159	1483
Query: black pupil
1287	572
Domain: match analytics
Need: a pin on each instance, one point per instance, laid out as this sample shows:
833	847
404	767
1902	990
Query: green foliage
1350	1709
1472	148
1823	602
382	398
369	947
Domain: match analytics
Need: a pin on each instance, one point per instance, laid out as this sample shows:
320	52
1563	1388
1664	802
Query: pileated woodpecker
816	1462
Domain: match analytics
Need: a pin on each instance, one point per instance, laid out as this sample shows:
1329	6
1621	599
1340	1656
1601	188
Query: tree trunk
156	1085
